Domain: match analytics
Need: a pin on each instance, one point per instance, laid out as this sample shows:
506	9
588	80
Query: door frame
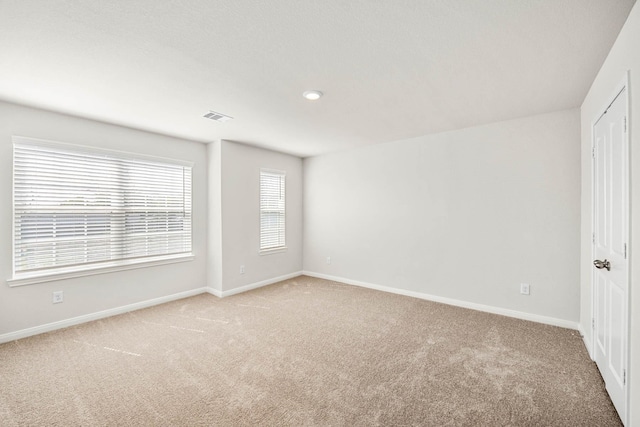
623	85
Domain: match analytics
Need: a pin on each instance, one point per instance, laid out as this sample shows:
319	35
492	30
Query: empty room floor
304	351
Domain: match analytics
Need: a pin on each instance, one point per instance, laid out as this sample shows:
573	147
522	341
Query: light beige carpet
303	352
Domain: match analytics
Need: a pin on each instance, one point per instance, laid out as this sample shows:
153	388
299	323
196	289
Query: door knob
602	264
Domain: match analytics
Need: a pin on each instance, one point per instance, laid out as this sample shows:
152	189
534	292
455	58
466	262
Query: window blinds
75	206
272	210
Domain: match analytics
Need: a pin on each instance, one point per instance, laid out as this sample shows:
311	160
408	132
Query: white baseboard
215	292
458	303
222	294
585	340
12	336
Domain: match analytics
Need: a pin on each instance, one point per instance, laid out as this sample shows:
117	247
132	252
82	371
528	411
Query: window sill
69	273
272	251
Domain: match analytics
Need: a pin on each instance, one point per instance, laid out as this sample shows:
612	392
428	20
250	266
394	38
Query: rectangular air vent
219	117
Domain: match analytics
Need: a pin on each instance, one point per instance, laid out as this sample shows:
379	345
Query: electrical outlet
242	269
328	260
524	288
57	297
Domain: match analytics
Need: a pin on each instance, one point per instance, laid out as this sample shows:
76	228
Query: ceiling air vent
219	117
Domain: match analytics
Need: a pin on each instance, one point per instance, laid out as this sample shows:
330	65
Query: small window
272	210
79	208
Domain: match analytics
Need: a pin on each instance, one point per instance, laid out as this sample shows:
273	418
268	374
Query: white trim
12	336
214	292
585	340
271	251
450	301
84	270
274	171
255	285
95	150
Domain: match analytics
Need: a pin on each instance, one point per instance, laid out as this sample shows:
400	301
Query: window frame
20	278
283	247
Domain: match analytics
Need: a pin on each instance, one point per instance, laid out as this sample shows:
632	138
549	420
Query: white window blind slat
272	210
79	206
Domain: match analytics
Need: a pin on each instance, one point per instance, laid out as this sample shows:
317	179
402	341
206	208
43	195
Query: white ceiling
390	69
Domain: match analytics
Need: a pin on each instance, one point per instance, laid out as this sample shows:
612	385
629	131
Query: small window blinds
78	206
272	210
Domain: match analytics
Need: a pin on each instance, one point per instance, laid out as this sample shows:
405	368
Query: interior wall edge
257	285
213	291
61	324
562	323
585	340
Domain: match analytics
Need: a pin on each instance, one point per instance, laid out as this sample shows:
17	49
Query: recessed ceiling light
312	95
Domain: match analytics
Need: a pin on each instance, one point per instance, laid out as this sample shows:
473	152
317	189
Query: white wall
240	215
31	306
466	215
214	193
624	56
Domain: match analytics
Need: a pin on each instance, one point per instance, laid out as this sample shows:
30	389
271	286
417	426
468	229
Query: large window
272	210
78	208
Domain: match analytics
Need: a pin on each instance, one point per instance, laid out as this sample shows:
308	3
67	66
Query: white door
610	239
